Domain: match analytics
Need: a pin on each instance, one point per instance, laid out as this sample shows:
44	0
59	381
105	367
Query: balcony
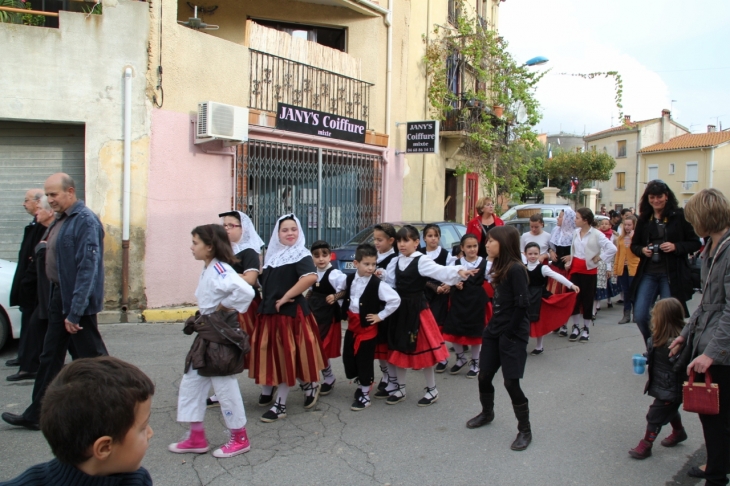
275	79
462	115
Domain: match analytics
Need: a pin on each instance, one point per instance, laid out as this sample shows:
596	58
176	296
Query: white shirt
542	239
219	284
550	273
383	256
336	278
426	268
605	248
473	265
385	293
433	255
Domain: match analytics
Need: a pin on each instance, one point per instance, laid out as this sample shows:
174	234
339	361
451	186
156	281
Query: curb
172	314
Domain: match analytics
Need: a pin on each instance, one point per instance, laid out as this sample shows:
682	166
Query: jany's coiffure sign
312	122
422	137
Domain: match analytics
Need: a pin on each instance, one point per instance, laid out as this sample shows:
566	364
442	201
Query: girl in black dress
561	239
504	342
383	240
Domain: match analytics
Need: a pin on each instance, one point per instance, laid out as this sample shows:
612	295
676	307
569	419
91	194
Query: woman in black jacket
662	240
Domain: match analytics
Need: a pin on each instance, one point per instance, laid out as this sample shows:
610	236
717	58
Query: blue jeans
624	283
650	287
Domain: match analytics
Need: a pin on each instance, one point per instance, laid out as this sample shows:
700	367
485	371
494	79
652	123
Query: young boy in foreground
95	417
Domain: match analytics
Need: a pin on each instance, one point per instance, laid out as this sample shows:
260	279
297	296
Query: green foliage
30	19
94	9
495	147
20	18
619	86
586	166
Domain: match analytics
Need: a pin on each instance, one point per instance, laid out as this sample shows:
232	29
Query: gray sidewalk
587	411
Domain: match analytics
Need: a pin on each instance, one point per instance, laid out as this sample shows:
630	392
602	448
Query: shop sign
422	137
312	122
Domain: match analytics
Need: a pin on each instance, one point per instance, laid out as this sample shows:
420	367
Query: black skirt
325	314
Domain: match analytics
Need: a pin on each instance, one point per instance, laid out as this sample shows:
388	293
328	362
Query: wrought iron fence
335	194
276	79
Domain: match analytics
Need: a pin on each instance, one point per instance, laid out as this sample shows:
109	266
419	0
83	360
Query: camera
655	257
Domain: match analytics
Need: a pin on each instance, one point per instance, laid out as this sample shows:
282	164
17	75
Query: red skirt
555	287
247	323
382	351
332	342
466	340
285	348
430	347
489	311
554	312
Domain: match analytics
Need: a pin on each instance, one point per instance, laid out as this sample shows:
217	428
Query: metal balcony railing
462	115
275	79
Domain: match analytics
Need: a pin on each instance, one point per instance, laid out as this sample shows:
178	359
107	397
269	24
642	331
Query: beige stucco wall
74	74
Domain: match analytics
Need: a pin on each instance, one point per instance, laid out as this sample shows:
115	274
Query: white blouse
433	255
219	284
426	268
550	273
385	293
336	278
383	256
593	243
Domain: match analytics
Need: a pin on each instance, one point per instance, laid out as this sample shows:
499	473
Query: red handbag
701	398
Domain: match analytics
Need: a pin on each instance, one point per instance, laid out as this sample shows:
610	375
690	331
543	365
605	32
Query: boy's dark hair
587	215
365	250
532	244
215	236
537	218
321	245
386	228
407	232
431	226
91	398
466	237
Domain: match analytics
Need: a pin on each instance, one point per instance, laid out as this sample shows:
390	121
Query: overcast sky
664	49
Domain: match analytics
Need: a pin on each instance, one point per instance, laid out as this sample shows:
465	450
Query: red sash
361	333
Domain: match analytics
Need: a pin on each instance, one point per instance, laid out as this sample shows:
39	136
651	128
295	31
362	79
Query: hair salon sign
311	122
422	137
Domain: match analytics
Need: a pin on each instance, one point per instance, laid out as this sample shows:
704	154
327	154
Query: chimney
666	116
627	119
711	128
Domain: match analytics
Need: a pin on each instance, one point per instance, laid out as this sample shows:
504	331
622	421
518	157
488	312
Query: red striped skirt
247	323
332	342
430	347
285	348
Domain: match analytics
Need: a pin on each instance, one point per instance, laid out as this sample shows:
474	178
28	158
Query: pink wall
393	175
187	188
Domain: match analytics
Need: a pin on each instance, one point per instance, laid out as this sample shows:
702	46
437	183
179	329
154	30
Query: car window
547	212
449	236
365	236
509	214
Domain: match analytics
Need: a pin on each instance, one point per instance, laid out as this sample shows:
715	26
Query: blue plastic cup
639	361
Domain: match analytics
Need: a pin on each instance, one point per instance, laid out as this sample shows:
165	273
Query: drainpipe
638	163
712	167
425	116
126	185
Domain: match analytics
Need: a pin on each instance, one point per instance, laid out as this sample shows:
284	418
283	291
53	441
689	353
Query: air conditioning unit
217	121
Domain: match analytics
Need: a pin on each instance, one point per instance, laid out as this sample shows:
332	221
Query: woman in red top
483	222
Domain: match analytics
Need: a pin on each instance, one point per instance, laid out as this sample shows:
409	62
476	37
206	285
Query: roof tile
689	141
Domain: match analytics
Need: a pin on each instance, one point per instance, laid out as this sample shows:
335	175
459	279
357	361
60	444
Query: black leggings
513	388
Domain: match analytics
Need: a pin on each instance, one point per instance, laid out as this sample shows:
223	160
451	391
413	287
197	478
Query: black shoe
574	334
21	375
696	472
610	305
524	434
397	396
486	415
266	400
382	385
326	389
441	367
12	362
536	352
278	411
212	403
431	396
563	331
312	390
20	421
361	402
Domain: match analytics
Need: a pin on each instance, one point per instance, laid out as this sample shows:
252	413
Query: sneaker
397	395
473	369
441	367
584	336
563	331
312	390
641	451
460	363
212	402
278	411
675	438
326	388
237	444
574	334
431	396
361	402
193	442
536	352
266	400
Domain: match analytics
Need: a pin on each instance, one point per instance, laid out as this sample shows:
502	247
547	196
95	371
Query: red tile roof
689	141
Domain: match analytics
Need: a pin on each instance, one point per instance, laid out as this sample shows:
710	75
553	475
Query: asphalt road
587	411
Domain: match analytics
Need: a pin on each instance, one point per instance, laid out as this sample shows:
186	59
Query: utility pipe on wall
712	167
126	183
425	117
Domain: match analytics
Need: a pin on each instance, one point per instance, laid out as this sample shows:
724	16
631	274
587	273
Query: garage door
29	153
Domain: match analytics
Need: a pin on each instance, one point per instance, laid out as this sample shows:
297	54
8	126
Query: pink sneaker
237	444
195	443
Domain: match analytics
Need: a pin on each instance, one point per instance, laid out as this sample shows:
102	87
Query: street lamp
536	61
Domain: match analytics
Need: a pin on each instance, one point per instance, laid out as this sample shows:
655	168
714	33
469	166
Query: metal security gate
29	153
335	194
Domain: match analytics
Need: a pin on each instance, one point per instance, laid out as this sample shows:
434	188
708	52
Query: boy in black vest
367	301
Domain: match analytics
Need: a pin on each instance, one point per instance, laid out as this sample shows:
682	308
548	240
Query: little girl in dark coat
664	384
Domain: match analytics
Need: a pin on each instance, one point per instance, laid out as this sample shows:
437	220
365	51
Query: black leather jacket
663	382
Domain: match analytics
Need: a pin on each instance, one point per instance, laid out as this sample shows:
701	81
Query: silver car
9	316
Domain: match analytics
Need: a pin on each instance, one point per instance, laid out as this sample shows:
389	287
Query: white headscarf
279	254
563	235
249	238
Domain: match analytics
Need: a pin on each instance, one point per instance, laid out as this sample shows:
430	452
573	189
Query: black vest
385	261
370	302
537	279
324	286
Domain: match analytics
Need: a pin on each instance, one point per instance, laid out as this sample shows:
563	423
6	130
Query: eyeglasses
231	226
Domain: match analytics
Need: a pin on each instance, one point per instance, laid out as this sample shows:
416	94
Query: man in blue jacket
75	268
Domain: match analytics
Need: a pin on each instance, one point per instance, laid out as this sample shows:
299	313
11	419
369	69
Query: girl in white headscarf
561	239
285	346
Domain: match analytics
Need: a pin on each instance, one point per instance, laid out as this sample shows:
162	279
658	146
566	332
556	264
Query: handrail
310	66
27	11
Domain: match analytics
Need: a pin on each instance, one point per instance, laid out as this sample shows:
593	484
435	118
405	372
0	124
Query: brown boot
487	413
641	451
524	436
677	436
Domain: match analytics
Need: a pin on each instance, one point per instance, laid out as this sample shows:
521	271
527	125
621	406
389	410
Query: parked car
547	210
523	224
343	256
9	316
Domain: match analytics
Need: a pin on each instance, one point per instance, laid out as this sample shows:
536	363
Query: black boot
524	436
487	413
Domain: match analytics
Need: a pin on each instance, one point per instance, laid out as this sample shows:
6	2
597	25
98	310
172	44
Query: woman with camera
662	240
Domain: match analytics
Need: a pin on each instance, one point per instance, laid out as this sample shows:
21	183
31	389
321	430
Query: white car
9	316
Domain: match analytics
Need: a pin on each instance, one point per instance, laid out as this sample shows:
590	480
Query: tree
492	81
585	166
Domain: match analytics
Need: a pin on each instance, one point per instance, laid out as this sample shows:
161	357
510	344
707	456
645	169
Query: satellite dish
196	23
520	112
